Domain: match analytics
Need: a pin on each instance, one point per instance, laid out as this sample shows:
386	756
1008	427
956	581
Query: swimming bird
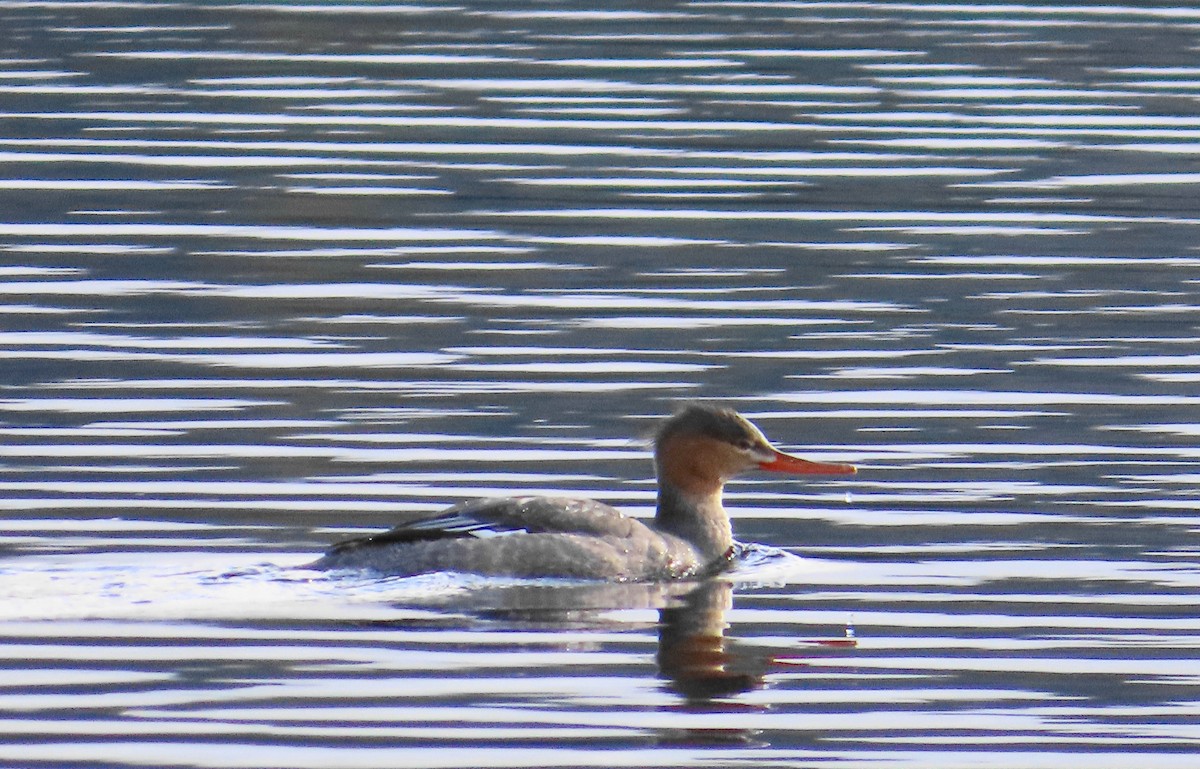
695	452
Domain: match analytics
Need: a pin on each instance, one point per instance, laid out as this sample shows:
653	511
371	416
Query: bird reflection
694	655
696	660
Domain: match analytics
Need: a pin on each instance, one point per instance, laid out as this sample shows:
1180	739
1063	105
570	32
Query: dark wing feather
500	516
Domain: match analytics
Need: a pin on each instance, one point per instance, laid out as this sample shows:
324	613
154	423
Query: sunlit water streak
270	273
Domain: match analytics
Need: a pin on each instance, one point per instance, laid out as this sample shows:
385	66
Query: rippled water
272	273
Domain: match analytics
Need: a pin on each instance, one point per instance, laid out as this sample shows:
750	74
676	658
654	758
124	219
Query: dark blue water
272	274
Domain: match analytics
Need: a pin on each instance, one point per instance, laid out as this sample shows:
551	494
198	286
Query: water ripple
275	273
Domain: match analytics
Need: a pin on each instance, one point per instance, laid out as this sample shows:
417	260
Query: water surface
271	274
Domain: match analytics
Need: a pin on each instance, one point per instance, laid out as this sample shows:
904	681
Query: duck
696	451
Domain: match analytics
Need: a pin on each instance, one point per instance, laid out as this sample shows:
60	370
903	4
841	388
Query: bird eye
745	445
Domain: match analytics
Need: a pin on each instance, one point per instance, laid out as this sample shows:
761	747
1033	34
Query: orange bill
786	463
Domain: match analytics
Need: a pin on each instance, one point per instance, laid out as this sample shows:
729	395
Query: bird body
696	452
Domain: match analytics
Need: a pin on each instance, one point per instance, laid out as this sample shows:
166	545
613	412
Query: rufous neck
701	519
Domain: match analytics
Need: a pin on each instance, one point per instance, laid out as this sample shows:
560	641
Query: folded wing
501	516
